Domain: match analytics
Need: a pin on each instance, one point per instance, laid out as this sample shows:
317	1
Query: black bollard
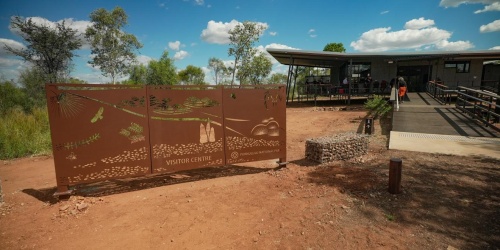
395	167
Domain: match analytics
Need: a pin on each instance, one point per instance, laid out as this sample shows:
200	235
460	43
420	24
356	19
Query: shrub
377	106
23	134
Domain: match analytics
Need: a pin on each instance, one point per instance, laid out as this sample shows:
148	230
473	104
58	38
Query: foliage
33	84
12	97
334	47
192	75
162	72
242	38
219	69
23	134
377	106
75	81
49	49
137	75
112	49
255	71
278	78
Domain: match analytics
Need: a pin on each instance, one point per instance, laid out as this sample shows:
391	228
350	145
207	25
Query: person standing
402	89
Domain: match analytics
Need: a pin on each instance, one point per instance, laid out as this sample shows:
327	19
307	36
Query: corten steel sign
102	132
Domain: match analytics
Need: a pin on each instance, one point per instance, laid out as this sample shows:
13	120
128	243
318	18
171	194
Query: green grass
24	134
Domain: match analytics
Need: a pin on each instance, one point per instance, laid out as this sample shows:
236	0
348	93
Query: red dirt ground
448	202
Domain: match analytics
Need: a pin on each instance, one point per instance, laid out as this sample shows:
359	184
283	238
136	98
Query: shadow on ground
109	187
439	197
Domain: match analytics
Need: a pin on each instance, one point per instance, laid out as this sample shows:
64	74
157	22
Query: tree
255	71
192	75
137	75
33	82
49	49
278	78
242	38
112	49
219	69
75	80
334	47
162	72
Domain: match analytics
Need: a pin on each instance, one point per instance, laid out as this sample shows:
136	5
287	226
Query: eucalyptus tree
218	68
277	78
112	48
162	72
137	75
256	71
49	48
242	38
192	75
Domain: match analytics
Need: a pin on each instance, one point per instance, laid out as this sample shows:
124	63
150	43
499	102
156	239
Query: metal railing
439	92
479	104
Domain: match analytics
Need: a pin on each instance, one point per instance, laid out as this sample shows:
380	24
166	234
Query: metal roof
334	59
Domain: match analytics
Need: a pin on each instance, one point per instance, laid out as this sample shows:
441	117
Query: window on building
460	66
359	71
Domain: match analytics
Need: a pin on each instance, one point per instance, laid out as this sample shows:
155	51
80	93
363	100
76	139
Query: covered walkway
424	125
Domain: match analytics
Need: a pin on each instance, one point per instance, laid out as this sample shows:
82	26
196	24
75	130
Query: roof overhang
328	59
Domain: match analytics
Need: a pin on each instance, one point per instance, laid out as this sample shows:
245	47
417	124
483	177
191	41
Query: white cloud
263	50
9	62
199	2
311	33
11	43
218	32
273	33
490	27
416	24
174	45
179	55
454	46
384	12
492	7
418	35
495	48
144	60
279	46
456	3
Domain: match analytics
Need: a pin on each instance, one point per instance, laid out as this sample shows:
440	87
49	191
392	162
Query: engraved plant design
133	133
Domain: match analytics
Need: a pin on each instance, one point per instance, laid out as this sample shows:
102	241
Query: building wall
492	72
382	70
451	78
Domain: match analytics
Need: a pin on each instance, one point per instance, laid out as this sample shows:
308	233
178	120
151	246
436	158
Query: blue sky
192	31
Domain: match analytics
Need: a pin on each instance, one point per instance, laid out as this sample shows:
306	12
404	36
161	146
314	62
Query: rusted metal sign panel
186	126
255	123
102	132
98	133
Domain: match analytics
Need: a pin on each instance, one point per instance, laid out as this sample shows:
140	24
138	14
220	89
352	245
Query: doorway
416	76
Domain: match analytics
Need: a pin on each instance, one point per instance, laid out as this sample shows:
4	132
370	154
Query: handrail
481	105
439	92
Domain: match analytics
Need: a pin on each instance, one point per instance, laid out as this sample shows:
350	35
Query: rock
82	206
64	208
340	176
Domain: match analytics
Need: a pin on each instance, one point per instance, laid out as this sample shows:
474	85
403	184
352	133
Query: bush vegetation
378	106
23	134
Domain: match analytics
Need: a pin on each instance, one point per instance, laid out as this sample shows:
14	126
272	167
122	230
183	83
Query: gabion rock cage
337	147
